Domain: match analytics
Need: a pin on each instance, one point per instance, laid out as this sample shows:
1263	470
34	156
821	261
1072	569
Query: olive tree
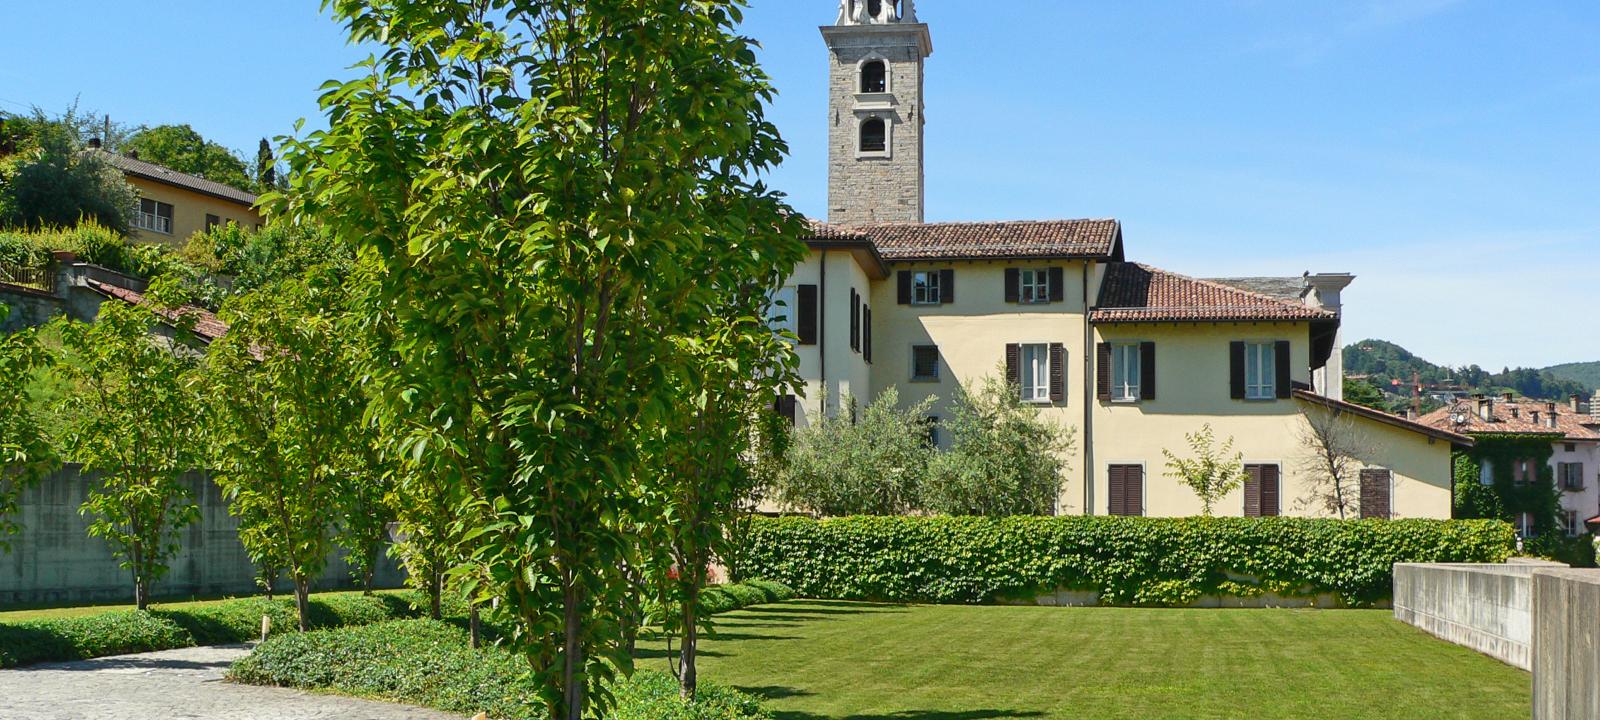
1005	457
135	423
540	188
871	464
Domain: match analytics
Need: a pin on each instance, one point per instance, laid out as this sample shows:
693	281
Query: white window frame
1525	525
924	378
888	138
1570	518
1260	371
1034	372
152	219
861	75
925	289
1033	286
781	311
1127	372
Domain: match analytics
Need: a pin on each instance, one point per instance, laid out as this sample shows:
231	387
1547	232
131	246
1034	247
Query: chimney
94	143
135	155
1577	404
1509	397
1515	410
1485	408
1411	413
1533	416
1550	415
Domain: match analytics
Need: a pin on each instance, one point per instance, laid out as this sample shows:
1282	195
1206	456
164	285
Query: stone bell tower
876	51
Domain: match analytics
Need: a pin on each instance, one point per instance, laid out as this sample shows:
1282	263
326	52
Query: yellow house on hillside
175	205
1129	356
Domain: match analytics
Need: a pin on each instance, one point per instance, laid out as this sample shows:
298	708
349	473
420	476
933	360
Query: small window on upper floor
873	79
153	215
874	135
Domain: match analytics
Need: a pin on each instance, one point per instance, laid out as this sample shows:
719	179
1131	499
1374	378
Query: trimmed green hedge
1128	561
232	621
723	598
424	662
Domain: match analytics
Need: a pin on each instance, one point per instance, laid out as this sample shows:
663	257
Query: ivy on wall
1506	499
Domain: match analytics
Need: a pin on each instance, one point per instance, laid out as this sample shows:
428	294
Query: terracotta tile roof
1292	288
1089	239
1132	292
206	324
195	183
1462	417
1383	417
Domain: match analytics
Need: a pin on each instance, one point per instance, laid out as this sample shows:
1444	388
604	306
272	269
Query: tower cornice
835	35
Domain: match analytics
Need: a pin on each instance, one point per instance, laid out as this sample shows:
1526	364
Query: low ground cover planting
828	660
1128	561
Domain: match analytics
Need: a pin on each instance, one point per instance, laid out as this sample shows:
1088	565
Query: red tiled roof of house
1132	292
1518	417
168	176
1042	239
206	323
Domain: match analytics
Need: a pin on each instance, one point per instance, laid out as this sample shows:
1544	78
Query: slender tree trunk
475	626
691	637
302	600
435	589
141	578
572	660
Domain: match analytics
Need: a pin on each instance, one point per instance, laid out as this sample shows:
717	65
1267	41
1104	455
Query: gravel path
183	683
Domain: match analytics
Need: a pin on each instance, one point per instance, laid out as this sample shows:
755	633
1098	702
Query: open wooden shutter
1057	292
1147	371
806	323
855	320
903	291
1014	363
1236	370
1058	372
1013	285
1285	383
947	286
1271	475
1252	491
1102	371
1375	493
866	334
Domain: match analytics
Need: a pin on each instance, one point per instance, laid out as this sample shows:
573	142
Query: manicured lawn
52	613
859	661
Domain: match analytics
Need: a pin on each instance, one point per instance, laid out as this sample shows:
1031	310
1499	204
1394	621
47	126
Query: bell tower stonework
876	52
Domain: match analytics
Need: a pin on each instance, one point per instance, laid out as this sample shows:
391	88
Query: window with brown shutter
1147	371
903	287
1236	370
1261	490
1013	290
1058	372
1057	291
1126	496
785	406
1102	371
1014	363
947	286
1375	486
855	320
1285	379
806	324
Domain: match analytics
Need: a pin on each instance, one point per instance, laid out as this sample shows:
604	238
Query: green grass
70	611
859	661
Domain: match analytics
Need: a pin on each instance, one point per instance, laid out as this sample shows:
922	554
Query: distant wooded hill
1384	363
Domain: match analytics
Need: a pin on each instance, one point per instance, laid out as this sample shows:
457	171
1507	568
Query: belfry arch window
873	77
874	136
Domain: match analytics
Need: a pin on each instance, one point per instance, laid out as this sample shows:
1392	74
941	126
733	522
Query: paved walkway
183	683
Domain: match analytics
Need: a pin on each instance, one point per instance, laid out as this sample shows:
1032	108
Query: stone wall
28	308
1484	607
1566	644
53	559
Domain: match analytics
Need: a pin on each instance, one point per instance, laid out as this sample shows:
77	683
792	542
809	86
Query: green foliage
1586	374
871	465
430	663
26	452
1004	458
135	425
255	259
1128	561
1385	362
1365	394
1505	499
547	198
1213	472
48	181
232	621
182	149
725	598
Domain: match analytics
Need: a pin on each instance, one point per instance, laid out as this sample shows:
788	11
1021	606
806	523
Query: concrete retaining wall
1484	607
53	559
1566	645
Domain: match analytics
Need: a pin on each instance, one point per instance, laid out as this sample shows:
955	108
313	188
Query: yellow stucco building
175	205
1130	357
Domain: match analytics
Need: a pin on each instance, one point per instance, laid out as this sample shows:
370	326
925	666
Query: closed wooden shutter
1261	490
1147	371
1058	372
1285	383
903	287
806	324
866	333
1013	285
1116	487
1271	483
1252	491
1375	493
1127	490
1236	370
947	286
1102	371
1014	363
1057	291
855	320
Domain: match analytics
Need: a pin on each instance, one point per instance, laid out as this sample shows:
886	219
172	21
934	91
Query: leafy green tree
136	424
1212	472
180	148
541	188
1005	457
50	182
875	465
266	167
26	453
285	399
362	529
1365	394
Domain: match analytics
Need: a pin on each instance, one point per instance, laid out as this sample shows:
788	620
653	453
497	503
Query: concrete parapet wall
1566	644
1484	607
53	559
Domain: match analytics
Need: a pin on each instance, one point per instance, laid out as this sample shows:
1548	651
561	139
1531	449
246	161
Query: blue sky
1445	151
